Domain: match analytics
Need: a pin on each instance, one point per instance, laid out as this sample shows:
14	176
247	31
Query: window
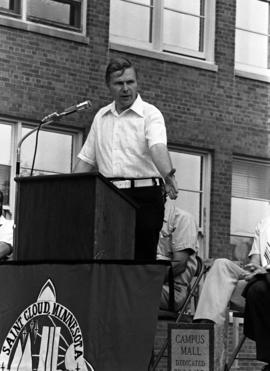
5	160
180	27
60	13
10	7
56	153
252	37
68	15
193	177
250	201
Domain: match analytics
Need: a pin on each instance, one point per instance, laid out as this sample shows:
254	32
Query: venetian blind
251	179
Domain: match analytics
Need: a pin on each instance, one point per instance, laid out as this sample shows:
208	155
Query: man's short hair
117	64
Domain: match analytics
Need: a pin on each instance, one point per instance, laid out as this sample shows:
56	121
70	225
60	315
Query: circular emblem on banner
45	337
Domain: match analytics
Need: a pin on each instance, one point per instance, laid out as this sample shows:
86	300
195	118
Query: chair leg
234	354
151	362
160	354
194	286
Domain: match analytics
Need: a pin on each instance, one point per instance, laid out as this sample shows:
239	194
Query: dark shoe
266	368
203	320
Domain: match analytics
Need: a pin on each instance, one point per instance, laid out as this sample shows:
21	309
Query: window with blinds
250	195
251	179
249	202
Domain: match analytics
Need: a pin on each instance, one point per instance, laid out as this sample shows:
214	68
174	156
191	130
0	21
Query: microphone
76	108
50	117
46	121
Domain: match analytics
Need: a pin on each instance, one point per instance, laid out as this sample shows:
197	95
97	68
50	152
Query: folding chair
192	294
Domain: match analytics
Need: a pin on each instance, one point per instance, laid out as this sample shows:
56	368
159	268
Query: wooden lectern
72	217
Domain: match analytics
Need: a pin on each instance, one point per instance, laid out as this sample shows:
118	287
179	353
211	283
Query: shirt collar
136	107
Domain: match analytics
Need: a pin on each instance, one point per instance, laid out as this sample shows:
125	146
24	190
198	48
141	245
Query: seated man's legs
217	290
257	320
179	297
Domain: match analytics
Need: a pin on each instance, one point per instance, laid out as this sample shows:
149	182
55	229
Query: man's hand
5	249
253	269
171	186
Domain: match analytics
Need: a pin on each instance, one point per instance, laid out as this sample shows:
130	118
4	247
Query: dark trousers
149	219
257	318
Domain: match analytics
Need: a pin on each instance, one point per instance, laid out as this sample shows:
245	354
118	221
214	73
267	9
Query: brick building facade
215	110
211	107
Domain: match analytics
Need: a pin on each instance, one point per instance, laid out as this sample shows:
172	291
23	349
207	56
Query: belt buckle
122	183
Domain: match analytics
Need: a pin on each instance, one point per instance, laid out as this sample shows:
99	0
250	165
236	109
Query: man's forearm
82	167
161	158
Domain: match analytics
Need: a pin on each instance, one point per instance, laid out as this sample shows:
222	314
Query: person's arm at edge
255	259
5	249
161	158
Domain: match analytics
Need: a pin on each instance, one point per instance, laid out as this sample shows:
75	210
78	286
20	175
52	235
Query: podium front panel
72	217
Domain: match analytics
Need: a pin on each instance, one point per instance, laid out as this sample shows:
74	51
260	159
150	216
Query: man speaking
127	143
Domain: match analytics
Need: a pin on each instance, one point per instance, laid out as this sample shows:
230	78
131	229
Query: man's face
123	88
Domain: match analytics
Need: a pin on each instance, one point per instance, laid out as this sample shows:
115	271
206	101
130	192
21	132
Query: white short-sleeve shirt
179	232
6	230
118	144
261	239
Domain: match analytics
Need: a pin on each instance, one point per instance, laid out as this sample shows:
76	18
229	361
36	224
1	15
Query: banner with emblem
98	316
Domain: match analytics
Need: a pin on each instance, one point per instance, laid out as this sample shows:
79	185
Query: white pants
223	284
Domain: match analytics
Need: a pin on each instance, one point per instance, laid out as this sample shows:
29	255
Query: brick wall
208	110
41	74
248	350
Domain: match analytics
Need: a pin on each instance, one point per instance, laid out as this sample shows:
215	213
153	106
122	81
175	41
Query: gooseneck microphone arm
47	120
19	145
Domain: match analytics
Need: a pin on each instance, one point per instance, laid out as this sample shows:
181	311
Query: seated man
257	323
226	280
6	232
178	243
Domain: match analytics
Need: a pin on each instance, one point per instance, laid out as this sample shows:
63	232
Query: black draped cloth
98	316
257	314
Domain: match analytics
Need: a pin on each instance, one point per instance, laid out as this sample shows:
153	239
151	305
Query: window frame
204	60
205	193
254	161
249	71
16	135
23	21
13	11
